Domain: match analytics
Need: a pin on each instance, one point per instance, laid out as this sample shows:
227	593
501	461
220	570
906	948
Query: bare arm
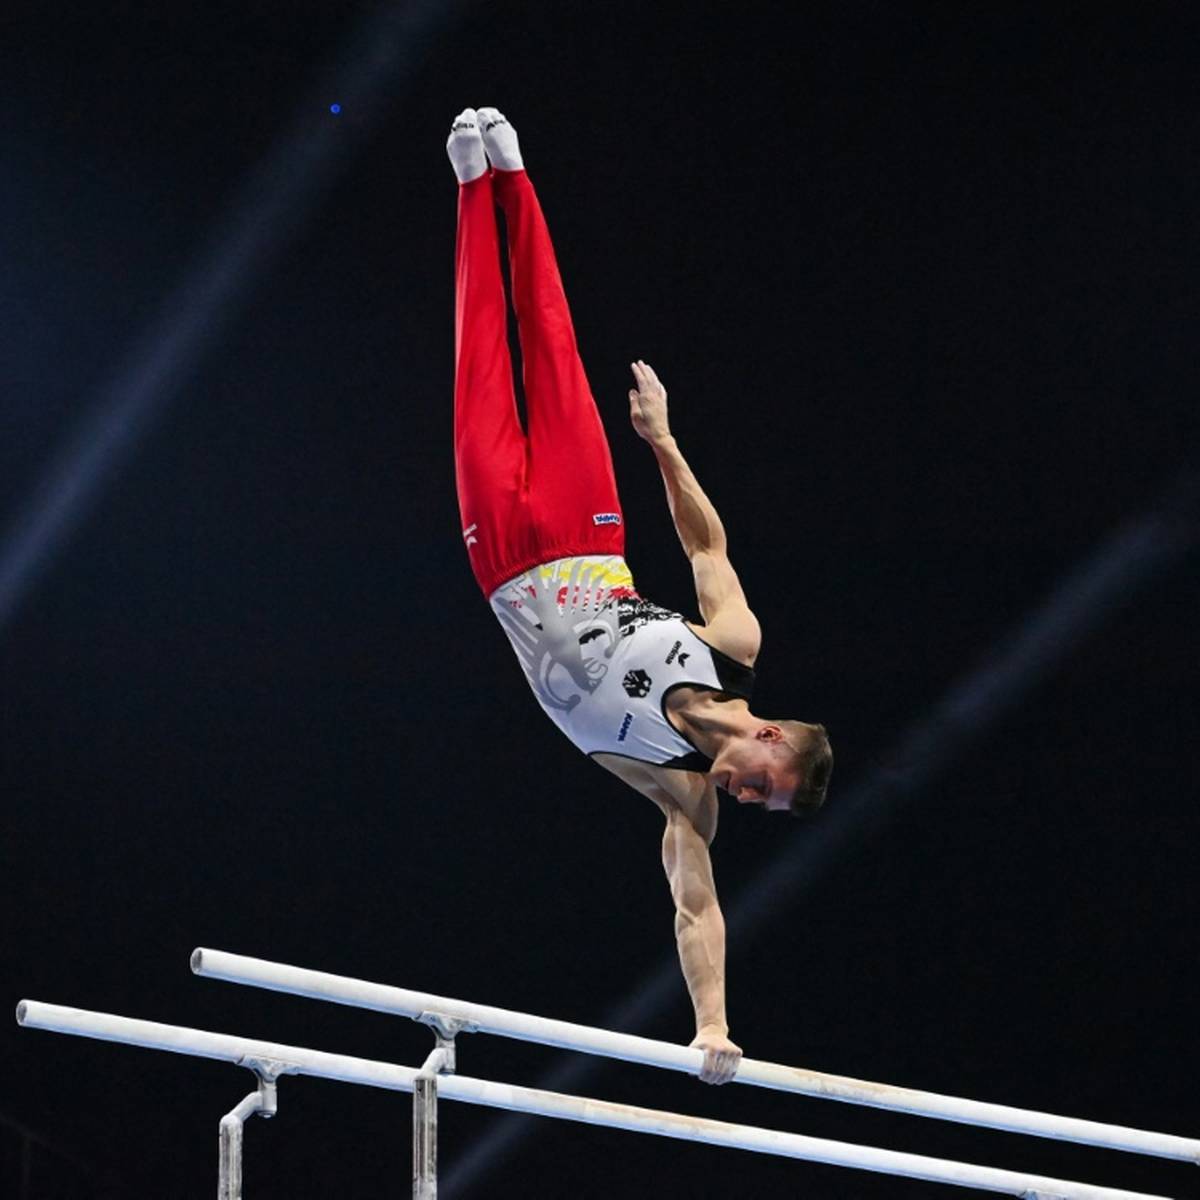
696	521
718	591
700	935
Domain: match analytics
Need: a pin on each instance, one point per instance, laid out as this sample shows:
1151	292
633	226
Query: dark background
921	285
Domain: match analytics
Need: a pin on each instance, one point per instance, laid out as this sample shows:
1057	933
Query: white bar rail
34	1014
179	1039
359	993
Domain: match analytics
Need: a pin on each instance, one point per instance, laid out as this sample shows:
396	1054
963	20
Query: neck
707	721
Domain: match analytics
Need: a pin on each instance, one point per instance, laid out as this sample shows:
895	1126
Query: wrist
664	443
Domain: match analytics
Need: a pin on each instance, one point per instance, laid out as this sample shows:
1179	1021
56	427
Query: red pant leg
572	489
489	444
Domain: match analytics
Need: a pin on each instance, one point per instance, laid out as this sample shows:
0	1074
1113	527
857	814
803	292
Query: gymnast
661	702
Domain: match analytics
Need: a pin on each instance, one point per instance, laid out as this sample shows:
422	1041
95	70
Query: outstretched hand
721	1057
648	404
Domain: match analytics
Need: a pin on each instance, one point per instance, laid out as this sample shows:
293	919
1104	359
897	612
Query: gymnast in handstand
661	702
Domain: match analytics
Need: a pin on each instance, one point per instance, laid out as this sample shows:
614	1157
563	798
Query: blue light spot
335	108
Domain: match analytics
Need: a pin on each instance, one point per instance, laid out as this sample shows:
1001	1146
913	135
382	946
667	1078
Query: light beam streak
376	63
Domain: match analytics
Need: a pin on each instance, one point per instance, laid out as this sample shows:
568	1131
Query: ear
770	733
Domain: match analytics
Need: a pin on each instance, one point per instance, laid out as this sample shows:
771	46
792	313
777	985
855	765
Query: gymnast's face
750	769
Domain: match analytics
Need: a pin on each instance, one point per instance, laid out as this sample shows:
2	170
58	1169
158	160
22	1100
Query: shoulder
673	790
729	623
734	631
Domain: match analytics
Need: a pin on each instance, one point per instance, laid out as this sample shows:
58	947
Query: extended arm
721	599
700	935
696	521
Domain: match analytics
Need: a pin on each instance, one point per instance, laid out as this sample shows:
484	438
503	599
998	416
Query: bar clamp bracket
268	1071
445	1030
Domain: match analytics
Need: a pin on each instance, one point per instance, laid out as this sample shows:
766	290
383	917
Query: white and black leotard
601	660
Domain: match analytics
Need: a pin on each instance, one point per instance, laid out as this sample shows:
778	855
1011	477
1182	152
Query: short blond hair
809	752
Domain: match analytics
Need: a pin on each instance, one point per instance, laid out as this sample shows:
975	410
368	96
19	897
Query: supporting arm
700	936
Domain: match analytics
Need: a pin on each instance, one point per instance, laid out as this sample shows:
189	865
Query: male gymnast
661	702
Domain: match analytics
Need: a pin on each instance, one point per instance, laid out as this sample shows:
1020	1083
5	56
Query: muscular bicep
729	623
687	864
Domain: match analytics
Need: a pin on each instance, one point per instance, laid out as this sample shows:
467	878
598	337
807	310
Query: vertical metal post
441	1061
264	1101
425	1138
229	1185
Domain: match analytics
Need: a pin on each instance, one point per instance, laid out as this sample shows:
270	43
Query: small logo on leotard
625	724
470	529
606	518
674	651
637	683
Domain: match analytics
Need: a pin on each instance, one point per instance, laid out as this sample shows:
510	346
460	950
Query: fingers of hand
720	1066
647	381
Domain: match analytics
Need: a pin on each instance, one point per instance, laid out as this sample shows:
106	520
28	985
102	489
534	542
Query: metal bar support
442	1060
263	1100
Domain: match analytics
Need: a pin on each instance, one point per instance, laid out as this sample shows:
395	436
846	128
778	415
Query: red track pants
524	500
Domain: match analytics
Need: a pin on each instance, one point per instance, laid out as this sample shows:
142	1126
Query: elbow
712	545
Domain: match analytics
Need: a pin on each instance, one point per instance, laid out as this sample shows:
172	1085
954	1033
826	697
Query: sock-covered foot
500	140
465	147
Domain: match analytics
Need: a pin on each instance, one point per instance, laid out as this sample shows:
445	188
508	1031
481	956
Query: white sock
500	140
465	147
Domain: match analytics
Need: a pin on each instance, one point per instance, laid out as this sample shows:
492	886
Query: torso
691	792
610	669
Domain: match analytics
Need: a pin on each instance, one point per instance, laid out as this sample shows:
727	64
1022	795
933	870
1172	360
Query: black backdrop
921	287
